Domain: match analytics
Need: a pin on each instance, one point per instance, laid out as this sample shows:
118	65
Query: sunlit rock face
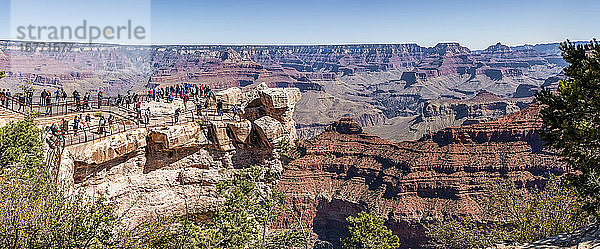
345	171
174	169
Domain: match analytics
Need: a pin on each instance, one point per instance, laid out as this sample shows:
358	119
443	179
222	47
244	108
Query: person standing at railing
57	95
3	97
185	100
127	100
29	98
138	110
77	100
64	95
177	111
86	101
101	124
76	121
43	97
64	126
7	98
199	108
111	120
236	112
48	104
21	102
220	108
99	98
148	116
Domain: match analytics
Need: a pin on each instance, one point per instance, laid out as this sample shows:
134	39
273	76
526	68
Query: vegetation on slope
511	213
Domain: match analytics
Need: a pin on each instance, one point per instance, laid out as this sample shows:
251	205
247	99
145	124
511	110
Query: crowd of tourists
5	96
201	95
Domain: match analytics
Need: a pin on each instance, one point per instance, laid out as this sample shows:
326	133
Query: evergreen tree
571	117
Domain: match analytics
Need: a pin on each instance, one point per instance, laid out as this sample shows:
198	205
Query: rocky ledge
174	170
586	237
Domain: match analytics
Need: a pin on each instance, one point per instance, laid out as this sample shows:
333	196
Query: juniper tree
571	117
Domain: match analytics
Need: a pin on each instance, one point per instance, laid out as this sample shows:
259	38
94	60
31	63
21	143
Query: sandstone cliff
173	170
345	171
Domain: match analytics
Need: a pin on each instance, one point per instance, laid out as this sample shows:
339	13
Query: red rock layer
343	173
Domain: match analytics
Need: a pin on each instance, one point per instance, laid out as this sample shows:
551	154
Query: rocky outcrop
442	173
442	113
173	170
345	125
109	148
484	106
268	129
586	237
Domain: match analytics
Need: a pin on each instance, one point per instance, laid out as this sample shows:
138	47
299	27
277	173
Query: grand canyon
401	129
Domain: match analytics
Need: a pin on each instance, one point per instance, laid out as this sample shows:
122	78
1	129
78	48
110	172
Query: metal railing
125	118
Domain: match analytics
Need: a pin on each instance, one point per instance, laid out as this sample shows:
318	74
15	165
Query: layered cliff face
173	170
374	83
443	113
345	171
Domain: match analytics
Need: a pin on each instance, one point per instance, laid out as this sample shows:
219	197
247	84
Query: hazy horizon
332	44
473	24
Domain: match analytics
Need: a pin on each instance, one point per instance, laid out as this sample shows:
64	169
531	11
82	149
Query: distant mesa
450	48
498	48
345	125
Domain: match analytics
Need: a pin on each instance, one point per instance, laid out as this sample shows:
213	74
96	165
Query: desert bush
34	212
367	231
513	214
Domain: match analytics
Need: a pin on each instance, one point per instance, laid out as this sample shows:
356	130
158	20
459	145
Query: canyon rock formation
374	83
174	169
344	171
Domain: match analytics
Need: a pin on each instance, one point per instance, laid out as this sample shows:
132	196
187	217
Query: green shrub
34	212
367	231
513	214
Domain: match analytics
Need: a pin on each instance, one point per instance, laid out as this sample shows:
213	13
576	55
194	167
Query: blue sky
475	24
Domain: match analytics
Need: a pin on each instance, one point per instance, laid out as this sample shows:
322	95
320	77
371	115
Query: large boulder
279	98
240	130
269	130
218	130
231	96
179	135
109	148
